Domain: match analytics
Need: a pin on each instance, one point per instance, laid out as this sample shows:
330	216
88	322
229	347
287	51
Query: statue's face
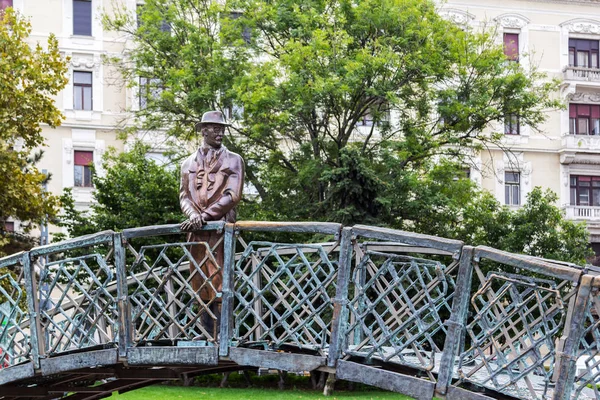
213	134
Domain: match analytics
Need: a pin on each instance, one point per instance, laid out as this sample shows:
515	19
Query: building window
584	119
511	46
585	190
583	53
233	111
150	89
512	188
139	8
5	3
377	114
82	17
464	173
83	168
9	226
165	26
246	32
511	125
82	90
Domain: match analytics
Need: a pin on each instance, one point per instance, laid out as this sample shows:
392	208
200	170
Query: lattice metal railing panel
163	302
14	320
398	309
283	294
587	378
77	303
513	325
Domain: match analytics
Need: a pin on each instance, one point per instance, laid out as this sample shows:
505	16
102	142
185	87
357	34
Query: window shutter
9	226
5	3
583	110
572	110
84	157
595	111
511	46
82	17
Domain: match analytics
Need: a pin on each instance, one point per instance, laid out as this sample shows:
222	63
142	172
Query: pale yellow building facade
560	38
95	99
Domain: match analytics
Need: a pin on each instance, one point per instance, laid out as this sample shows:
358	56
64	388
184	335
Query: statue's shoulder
235	156
188	161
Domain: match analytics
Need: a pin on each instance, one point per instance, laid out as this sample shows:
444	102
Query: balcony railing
581	142
583	212
582	74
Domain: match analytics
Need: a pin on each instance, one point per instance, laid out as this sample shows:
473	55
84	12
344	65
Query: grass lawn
160	392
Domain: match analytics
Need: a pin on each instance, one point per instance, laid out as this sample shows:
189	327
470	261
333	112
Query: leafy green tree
135	191
31	76
357	112
315	84
538	228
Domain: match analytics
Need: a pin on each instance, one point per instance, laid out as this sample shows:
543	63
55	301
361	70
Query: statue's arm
185	199
231	195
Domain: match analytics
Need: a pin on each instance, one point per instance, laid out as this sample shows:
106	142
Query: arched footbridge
420	315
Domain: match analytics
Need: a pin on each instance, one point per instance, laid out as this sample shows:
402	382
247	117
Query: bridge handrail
69	244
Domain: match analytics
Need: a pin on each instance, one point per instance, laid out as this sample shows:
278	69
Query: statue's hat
212	117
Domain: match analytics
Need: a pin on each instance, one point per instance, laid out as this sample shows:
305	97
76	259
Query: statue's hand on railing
194	223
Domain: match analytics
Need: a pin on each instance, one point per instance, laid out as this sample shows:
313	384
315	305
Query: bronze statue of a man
212	179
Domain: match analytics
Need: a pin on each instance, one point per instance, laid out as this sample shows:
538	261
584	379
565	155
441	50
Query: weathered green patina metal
425	316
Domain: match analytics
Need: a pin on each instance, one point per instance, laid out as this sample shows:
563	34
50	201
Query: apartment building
559	37
93	102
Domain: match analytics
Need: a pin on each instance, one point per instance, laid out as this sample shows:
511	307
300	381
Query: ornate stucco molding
511	20
584	97
87	63
580	25
457	16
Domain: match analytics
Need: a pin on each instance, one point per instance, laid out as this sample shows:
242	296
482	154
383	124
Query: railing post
125	329
33	307
226	323
340	302
457	321
566	364
361	279
258	303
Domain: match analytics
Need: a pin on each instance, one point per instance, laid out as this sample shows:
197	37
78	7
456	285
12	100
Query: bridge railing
402	289
163	304
15	344
282	293
435	317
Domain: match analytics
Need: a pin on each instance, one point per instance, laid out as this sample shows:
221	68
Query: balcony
581	142
583	212
581	74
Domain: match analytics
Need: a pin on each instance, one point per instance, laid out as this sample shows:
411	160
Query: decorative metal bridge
420	315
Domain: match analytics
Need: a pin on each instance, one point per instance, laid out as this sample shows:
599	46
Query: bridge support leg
187	380
329	385
224	380
247	378
282	378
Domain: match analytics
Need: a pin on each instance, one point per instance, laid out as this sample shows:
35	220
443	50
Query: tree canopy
349	111
339	106
31	76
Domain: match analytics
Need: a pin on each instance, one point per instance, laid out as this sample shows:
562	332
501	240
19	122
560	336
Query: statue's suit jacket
214	189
